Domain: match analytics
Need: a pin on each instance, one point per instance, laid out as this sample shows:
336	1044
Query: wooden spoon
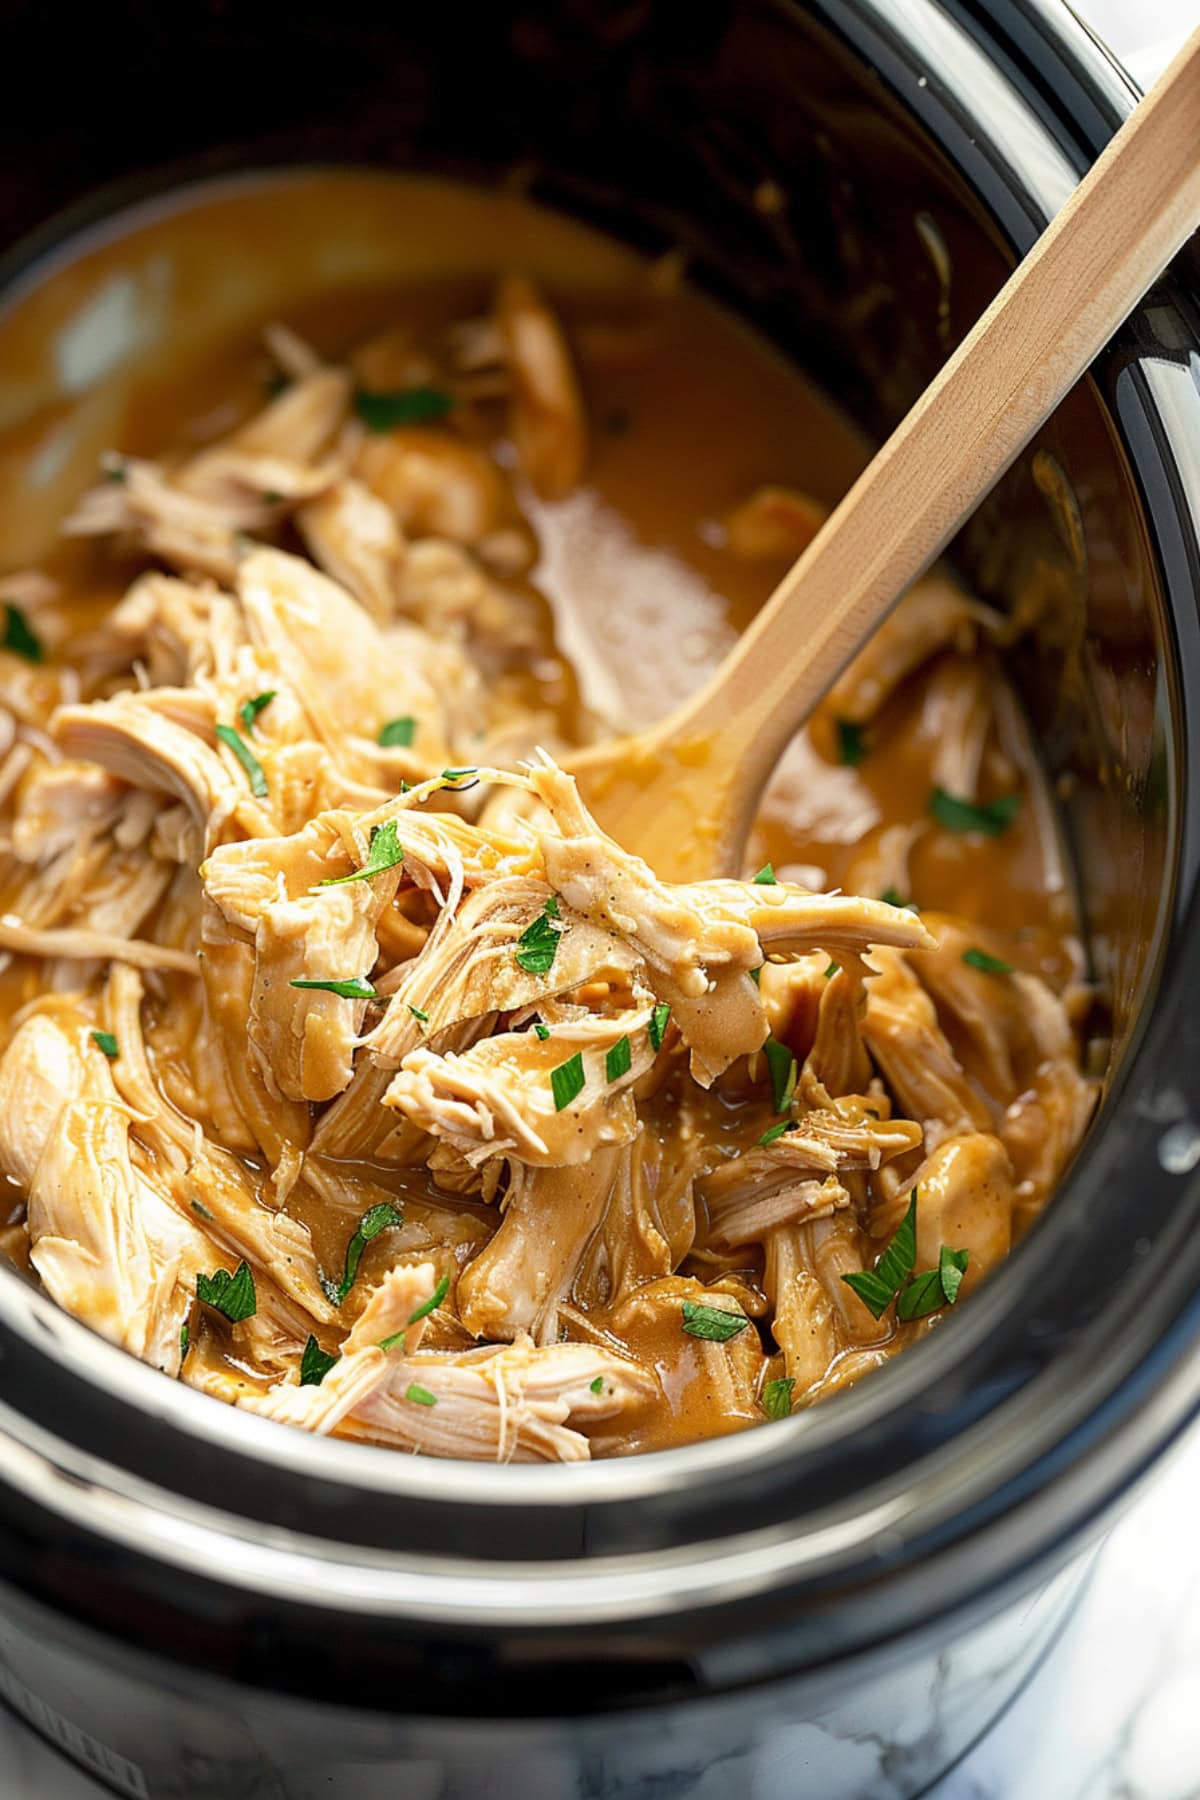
684	793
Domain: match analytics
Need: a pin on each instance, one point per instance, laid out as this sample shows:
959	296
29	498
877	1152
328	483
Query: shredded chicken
353	1074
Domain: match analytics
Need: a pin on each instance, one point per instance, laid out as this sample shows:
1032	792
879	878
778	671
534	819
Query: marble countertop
1114	1714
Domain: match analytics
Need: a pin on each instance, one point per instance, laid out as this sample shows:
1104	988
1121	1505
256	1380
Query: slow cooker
195	1603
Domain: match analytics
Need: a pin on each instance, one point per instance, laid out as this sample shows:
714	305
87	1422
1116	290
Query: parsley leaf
398	734
420	1396
891	897
384	853
991	965
877	1287
782	1065
185	1338
233	1295
376	1219
934	1288
19	635
776	1397
106	1042
952	1266
537	945
657	1028
201	1211
993	820
541	1031
252	708
454	778
597	1386
567	1081
851	745
419	1014
247	758
832	970
315	1364
619	1060
773	1133
431	1305
353	988
765	877
382	410
712	1322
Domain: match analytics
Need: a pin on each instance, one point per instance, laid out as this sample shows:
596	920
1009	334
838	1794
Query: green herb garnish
233	1295
765	877
934	1288
431	1305
890	897
657	1027
776	1397
252	708
963	815
537	945
782	1065
877	1287
991	965
19	635
354	988
773	1133
398	734
567	1081
851	745
832	970
453	776
315	1364
712	1322
247	758
597	1386
619	1060
378	1218
420	1396
384	852
756	974
185	1338
382	411
106	1042
542	1032
201	1211
419	1015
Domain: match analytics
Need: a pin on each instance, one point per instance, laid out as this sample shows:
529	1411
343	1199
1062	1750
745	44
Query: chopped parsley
384	852
619	1060
851	744
247	758
252	708
765	877
773	1133
315	1364
992	820
782	1066
431	1305
201	1211
597	1386
756	975
383	410
541	1031
460	781
991	965
19	635
832	970
537	945
232	1295
106	1042
934	1288
877	1287
712	1322
419	1014
398	734
355	987
378	1218
657	1028
420	1396
776	1397
567	1081
891	897
185	1338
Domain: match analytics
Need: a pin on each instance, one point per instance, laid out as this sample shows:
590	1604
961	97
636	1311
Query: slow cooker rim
551	1488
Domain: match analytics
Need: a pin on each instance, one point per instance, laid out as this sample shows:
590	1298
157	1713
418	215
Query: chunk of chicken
501	1098
935	615
965	1199
546	416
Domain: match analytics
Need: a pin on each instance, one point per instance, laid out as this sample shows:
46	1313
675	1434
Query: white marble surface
1114	1714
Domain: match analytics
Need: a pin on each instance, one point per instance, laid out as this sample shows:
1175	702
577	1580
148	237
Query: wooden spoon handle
1128	217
